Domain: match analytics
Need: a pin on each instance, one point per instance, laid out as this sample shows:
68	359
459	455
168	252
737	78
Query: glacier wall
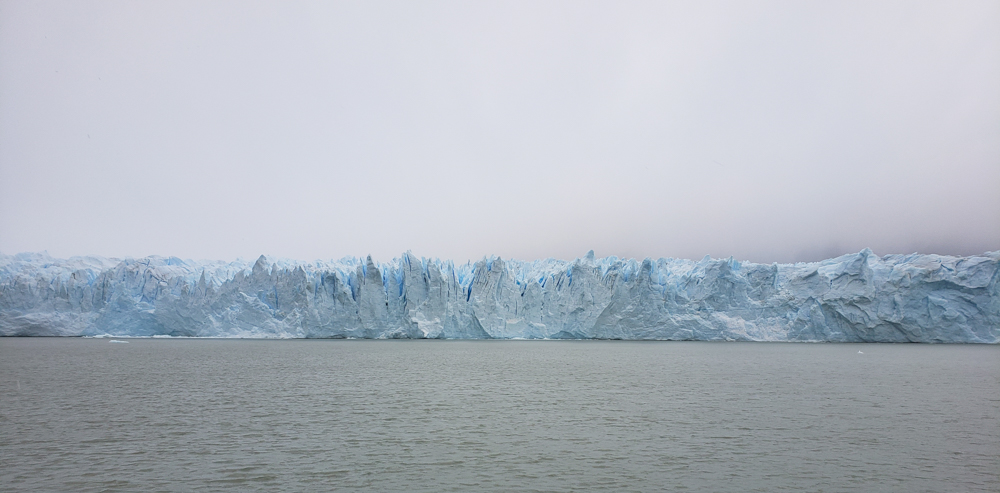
853	298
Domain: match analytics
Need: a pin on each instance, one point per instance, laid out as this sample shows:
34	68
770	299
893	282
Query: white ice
857	297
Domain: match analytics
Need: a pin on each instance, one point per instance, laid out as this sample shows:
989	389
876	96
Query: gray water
238	415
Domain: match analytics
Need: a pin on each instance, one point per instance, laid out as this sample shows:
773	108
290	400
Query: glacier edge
852	298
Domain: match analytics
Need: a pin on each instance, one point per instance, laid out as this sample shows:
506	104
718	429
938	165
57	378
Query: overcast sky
769	131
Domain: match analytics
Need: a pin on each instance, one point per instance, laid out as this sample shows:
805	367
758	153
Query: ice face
858	297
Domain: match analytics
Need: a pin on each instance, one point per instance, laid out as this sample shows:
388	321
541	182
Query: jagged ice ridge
853	298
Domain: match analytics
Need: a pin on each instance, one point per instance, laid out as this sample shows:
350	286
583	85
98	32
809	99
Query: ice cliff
856	297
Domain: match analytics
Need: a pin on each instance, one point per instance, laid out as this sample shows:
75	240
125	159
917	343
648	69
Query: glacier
852	298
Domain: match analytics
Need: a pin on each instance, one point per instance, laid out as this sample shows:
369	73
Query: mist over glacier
852	298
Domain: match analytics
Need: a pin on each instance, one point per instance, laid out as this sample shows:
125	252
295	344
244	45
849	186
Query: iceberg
852	298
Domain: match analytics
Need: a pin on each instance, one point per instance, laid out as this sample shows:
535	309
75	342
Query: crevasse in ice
856	297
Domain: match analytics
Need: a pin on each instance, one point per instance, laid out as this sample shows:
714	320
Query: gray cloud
770	131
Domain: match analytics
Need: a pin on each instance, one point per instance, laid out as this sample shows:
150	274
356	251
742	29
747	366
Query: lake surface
313	415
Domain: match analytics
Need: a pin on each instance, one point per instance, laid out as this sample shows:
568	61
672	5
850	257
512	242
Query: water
238	415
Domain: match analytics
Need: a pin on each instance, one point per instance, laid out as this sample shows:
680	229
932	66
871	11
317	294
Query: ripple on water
233	415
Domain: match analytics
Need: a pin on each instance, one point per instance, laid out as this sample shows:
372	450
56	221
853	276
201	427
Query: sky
766	131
